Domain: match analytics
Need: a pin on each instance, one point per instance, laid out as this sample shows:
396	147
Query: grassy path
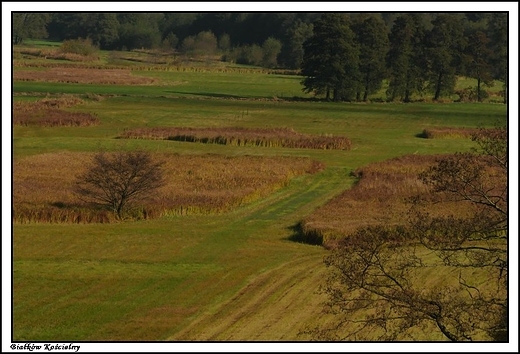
175	278
275	303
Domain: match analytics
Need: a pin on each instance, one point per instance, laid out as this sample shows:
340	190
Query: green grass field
235	276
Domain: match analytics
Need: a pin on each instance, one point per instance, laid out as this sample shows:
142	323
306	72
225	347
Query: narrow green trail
274	303
175	276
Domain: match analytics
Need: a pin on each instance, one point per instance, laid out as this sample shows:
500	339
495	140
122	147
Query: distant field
233	275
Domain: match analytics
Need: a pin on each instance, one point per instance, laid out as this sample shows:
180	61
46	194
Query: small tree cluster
265	55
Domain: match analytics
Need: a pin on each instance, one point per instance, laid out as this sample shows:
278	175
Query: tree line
343	56
348	57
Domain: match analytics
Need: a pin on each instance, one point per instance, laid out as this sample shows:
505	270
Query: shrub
470	94
80	46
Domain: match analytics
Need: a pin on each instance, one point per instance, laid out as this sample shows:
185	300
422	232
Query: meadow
236	274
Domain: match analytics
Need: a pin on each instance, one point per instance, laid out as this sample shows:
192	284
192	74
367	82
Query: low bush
79	46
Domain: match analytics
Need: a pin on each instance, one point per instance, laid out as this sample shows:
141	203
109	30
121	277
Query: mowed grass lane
150	280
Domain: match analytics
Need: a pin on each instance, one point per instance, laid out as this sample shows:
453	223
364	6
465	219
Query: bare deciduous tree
114	180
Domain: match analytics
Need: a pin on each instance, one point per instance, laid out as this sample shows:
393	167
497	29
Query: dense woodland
343	56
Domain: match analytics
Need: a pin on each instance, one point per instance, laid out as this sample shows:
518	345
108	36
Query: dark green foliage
331	59
445	47
105	31
271	48
405	59
498	28
29	25
373	44
343	54
291	55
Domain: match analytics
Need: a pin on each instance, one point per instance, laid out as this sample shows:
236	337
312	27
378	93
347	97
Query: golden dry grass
83	76
381	196
275	137
47	112
43	185
448	132
30	53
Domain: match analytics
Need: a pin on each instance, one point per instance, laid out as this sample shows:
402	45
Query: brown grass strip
276	137
43	186
381	196
448	132
48	113
83	76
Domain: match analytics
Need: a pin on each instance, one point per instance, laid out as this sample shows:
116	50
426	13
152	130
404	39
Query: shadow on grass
300	235
216	95
238	97
422	135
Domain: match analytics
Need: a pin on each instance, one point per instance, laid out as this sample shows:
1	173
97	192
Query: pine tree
498	26
406	59
331	59
445	47
372	40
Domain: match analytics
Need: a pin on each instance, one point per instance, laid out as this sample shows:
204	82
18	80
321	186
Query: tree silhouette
117	179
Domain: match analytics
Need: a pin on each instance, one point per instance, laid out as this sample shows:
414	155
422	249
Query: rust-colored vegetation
48	113
83	76
448	132
33	53
43	186
276	137
381	196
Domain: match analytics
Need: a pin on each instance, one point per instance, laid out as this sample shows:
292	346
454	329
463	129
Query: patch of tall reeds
43	186
275	137
48	112
381	195
85	75
447	132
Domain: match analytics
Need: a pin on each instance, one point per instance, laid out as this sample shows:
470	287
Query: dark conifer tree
331	59
372	39
445	48
405	59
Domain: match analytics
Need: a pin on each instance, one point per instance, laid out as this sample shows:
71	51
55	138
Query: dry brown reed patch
381	196
48	113
275	137
55	54
43	186
448	132
83	76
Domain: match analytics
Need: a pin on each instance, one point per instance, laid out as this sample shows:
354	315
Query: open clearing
234	275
